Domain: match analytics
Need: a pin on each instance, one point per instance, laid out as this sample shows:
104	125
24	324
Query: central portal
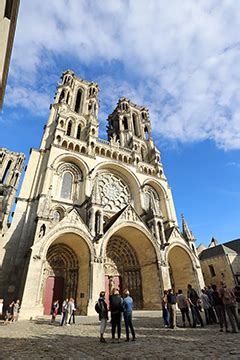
122	270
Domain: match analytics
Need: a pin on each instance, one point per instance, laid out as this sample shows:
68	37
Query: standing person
64	312
55	307
183	306
171	299
103	314
116	307
229	301
9	314
193	299
165	311
69	310
127	314
72	317
212	316
219	308
16	310
206	306
1	307
236	291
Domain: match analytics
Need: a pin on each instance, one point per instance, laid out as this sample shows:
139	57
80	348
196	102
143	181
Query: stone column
31	306
97	283
92	221
162	235
164	275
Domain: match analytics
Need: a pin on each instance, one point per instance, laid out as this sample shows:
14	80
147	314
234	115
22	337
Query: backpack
97	307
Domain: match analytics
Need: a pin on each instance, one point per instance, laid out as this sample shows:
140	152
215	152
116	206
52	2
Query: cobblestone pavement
42	340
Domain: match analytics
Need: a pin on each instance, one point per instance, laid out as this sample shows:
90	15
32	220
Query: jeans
128	324
185	312
165	316
196	315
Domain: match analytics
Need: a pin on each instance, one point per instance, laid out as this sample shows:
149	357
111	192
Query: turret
188	235
130	125
74	114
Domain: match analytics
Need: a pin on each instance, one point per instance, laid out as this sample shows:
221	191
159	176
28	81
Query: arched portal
122	269
132	262
66	272
181	269
62	275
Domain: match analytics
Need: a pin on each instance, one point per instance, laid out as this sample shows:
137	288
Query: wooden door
117	280
53	291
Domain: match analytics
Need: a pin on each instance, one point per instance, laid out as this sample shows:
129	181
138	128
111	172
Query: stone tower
95	214
11	165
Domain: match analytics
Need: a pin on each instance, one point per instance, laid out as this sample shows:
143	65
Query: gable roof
234	245
113	219
231	247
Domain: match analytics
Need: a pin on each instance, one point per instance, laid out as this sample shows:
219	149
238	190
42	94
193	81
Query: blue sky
180	60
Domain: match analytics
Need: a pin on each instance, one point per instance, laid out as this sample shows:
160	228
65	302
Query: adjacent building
221	262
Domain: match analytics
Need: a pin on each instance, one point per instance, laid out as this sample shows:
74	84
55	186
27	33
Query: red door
112	281
53	291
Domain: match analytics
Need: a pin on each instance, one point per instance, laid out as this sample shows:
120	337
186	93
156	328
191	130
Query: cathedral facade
95	214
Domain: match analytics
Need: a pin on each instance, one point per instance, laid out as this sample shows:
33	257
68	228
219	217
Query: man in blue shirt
127	313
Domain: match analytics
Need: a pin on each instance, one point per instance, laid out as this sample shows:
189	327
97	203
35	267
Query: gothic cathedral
94	214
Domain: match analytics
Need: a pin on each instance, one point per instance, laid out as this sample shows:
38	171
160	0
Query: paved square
42	340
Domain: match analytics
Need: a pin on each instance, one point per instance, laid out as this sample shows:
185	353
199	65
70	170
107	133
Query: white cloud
28	98
185	56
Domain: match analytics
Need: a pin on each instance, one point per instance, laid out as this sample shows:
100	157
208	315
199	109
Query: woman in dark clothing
103	315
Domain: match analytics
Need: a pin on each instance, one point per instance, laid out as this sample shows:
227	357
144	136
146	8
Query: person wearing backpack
229	302
102	310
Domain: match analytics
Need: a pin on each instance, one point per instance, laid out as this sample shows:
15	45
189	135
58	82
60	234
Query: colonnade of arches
131	261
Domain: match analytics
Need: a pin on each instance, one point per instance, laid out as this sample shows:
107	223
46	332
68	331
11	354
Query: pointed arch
78	101
66	189
78	132
69	128
6	172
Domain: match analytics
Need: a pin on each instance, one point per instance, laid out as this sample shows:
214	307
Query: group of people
69	308
117	307
11	312
216	304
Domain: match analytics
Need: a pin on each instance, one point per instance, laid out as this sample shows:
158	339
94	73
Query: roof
113	219
234	245
231	247
168	233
